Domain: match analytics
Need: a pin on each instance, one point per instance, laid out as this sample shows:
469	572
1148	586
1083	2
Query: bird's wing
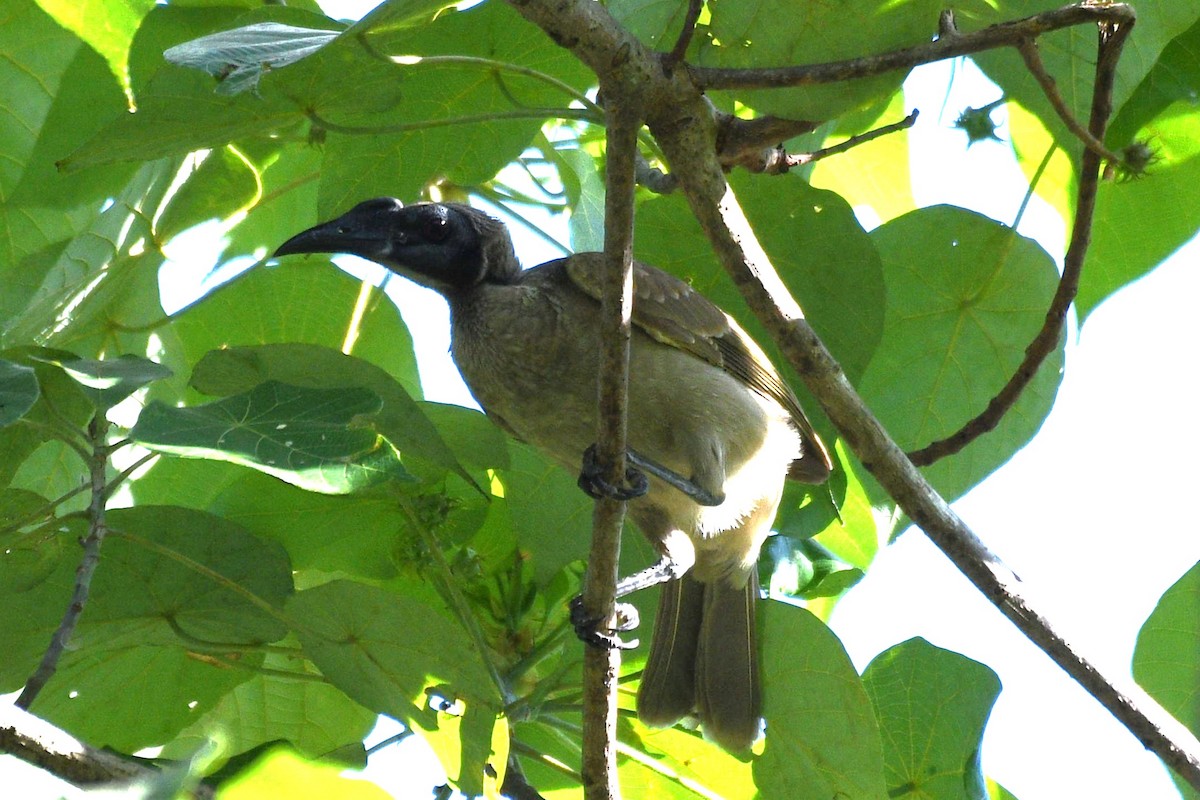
674	313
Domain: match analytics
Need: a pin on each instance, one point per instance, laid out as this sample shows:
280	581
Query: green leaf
844	304
399	163
87	283
399	417
166	572
148	694
169	569
225	183
57	93
361	534
770	33
395	655
1064	51
313	717
107	27
966	295
1175	78
1141	221
932	705
585	192
550	516
61	409
656	22
282	774
311	438
1165	660
18	391
693	760
822	738
108	382
306	301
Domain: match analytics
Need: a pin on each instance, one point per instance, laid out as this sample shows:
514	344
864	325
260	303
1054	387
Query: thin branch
43	512
395	738
685	36
777	161
1047	339
1004	34
97	464
601	667
1033	62
125	474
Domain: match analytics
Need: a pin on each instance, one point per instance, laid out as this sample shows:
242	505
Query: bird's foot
592	481
588	629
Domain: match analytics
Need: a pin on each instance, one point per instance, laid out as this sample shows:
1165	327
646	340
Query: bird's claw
588	629
592	482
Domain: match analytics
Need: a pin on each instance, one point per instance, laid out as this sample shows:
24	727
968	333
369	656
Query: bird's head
446	246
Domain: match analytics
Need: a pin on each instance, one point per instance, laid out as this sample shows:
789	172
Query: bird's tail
704	660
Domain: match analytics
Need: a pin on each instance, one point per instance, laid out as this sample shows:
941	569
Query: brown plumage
704	402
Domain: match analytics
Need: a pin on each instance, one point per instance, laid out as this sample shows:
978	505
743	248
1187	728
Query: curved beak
350	233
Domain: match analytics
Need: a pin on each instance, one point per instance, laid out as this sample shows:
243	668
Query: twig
1048	337
671	59
97	464
395	738
602	666
1005	34
1033	62
777	160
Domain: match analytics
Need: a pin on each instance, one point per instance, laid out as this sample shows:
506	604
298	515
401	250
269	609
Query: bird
709	419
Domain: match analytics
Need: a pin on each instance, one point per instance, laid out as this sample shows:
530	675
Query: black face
433	244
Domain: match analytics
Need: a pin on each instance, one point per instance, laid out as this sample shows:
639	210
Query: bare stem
1033	62
97	461
1005	34
1048	337
601	666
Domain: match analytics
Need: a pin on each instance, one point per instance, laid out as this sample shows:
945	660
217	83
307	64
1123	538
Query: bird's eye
435	228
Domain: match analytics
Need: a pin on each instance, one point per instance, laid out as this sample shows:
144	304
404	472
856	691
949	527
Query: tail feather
668	689
704	660
728	691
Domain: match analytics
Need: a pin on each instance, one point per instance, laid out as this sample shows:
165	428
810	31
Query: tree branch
46	747
950	44
97	464
1047	338
602	666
